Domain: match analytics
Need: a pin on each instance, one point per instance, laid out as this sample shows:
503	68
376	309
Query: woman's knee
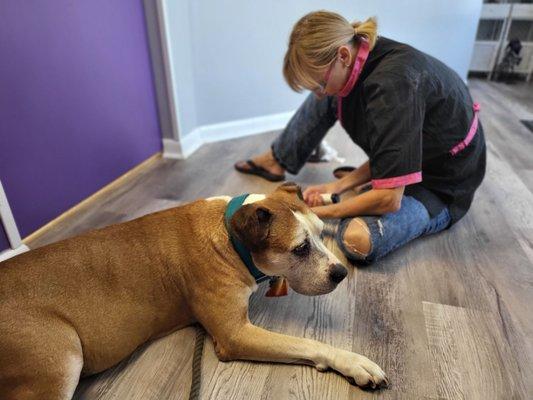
357	237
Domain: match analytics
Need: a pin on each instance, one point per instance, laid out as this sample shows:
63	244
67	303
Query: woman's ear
345	55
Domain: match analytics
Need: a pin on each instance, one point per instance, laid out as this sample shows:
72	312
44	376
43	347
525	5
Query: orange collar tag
278	287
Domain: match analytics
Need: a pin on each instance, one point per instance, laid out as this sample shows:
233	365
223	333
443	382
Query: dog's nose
337	273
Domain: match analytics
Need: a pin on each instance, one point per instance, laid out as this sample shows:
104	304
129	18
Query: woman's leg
304	132
301	136
366	239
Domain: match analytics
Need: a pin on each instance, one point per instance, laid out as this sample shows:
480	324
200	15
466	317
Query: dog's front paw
363	371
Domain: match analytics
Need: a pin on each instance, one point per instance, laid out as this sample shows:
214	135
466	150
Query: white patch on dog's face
252	198
308	263
225	198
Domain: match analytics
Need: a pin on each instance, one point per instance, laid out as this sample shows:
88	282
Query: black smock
407	111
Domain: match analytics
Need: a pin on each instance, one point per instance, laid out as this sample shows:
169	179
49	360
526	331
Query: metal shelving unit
10	228
500	22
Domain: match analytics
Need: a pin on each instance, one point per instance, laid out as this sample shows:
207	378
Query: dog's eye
303	249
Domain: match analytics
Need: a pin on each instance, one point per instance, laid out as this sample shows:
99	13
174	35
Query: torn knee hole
357	237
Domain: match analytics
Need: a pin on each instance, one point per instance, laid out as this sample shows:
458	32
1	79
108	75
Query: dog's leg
43	362
254	343
235	338
223	312
58	382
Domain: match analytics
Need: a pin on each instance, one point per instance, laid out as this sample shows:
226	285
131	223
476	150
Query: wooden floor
447	317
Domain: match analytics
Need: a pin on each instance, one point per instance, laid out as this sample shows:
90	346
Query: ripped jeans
393	230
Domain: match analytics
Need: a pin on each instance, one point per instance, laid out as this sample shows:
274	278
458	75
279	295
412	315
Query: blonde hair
314	42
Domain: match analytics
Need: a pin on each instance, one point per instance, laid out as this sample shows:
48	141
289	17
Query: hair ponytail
367	29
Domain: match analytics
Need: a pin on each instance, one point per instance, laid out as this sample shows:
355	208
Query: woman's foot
341	172
263	165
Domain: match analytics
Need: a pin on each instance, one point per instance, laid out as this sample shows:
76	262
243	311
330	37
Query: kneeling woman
411	114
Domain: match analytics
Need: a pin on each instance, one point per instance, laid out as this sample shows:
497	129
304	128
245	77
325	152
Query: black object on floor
528	124
254	169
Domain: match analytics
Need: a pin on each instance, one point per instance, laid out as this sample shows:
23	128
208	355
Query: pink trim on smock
471	133
360	59
391	183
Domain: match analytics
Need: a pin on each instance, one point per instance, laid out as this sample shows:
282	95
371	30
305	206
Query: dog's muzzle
337	272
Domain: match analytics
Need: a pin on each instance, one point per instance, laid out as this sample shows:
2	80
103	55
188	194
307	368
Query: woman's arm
373	202
355	178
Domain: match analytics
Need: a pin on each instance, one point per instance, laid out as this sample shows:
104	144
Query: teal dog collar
239	247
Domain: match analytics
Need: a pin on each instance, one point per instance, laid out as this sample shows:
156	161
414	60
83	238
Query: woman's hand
312	195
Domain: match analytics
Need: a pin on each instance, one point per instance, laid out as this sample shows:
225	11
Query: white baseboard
172	149
4	255
223	131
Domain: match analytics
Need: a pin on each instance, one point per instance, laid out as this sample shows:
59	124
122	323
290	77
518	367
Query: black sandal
345	168
259	171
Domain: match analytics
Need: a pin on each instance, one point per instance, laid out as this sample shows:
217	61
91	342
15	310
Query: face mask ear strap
360	59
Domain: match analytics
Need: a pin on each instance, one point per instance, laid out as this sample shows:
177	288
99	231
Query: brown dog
81	305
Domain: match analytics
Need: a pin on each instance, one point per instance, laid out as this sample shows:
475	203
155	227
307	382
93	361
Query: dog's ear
293	188
251	225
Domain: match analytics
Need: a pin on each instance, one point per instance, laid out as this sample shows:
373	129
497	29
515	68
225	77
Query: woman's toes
242	165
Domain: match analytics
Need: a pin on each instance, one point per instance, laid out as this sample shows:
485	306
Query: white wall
181	42
233	69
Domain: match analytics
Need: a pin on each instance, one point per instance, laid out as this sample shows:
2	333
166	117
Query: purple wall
4	244
77	101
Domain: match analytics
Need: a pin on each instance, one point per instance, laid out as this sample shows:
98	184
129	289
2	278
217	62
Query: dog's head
283	235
